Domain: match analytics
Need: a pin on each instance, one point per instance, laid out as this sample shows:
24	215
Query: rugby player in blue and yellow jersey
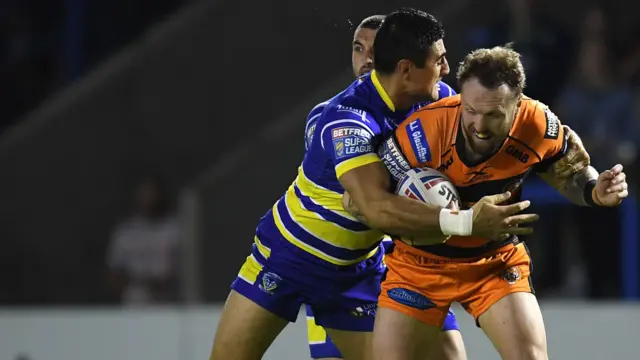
450	346
308	249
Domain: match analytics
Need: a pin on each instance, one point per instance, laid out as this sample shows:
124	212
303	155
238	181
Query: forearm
572	175
368	199
400	216
576	187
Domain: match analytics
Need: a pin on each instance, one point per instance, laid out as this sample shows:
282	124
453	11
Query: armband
585	182
590	195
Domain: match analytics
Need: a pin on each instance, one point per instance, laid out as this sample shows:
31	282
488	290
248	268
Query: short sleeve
348	137
312	120
552	138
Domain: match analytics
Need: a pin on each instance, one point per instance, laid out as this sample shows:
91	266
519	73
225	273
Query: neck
400	99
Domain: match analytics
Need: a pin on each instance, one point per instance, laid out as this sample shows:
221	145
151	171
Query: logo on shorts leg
512	275
365	310
410	298
269	282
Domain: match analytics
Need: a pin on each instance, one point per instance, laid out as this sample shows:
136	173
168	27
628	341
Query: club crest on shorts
511	275
269	282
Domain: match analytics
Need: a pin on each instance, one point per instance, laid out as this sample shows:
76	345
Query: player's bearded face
362	51
422	83
487	115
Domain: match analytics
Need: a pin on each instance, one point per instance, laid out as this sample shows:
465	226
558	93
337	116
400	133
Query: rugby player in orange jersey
486	140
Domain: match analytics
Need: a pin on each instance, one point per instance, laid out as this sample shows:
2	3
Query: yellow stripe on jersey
381	91
315	333
356	162
326	231
263	250
326	198
311	250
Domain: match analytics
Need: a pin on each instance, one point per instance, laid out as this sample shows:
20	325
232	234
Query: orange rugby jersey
432	137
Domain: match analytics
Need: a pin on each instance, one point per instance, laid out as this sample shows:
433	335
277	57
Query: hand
494	221
351	208
611	187
347	203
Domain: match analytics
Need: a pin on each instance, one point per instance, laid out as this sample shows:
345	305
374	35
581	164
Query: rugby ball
429	186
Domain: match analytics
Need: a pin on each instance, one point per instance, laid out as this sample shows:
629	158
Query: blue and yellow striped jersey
341	134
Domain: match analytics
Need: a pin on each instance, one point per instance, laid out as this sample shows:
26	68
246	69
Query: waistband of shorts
444	252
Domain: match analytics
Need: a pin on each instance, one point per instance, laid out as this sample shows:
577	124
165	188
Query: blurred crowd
47	44
593	87
591	81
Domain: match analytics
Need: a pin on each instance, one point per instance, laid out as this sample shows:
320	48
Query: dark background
212	96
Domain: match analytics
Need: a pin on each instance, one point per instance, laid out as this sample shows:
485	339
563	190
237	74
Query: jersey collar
381	91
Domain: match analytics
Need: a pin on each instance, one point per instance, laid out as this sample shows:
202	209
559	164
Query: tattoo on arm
572	174
573	186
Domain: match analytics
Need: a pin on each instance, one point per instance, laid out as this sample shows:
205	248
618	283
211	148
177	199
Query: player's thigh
449	346
245	331
350	327
398	336
413	304
262	301
352	345
515	327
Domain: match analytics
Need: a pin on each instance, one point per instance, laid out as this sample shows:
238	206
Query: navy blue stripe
302	235
329	215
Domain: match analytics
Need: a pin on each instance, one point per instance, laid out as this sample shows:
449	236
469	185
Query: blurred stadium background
191	113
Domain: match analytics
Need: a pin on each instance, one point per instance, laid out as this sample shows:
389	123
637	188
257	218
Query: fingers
623	194
520	219
517	207
616	188
619	178
606	175
618	183
617	169
499	198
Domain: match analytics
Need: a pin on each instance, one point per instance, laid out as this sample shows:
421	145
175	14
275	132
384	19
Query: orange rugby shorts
423	285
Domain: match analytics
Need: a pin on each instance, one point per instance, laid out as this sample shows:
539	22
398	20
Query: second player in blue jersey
308	249
451	346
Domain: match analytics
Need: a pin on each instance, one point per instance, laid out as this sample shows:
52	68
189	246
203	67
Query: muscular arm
372	202
571	174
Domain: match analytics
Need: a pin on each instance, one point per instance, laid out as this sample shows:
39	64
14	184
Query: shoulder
539	129
444	90
317	110
441	110
536	122
348	110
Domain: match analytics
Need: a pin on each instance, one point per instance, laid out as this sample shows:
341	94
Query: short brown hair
494	67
